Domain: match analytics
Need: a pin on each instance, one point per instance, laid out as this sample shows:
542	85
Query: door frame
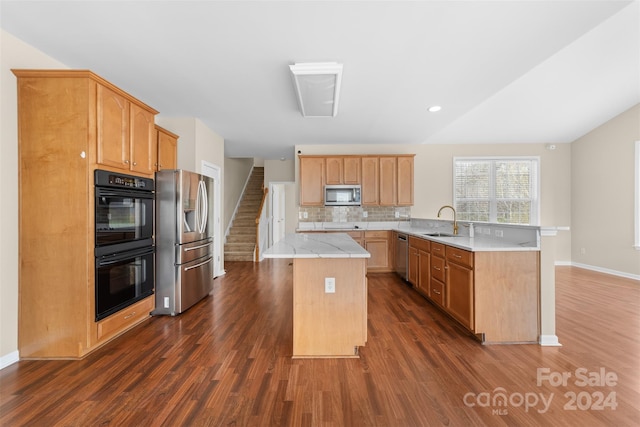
215	172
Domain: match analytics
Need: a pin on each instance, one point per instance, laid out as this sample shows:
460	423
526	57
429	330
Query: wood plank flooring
227	362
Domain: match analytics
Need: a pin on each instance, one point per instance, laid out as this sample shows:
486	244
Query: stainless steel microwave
342	195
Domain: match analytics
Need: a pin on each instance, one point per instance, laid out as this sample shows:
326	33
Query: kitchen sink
441	235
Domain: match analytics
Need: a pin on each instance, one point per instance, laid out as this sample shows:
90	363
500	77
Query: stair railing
262	225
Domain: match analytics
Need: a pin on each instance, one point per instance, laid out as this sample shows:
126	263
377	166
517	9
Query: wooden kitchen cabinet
312	179
370	181
70	122
377	243
460	285
420	264
388	181
166	152
493	294
125	132
405	181
352	174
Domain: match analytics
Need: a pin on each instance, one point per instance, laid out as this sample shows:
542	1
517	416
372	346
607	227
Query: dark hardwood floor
227	362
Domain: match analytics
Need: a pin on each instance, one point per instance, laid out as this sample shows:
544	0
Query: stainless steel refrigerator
184	240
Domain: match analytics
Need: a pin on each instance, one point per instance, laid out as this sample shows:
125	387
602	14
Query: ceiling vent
317	87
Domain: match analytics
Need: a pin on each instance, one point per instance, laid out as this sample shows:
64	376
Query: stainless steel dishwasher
402	258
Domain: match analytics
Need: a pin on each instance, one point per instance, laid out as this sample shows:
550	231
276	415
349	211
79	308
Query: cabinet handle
457	256
126	162
135	164
435	292
436	268
129	316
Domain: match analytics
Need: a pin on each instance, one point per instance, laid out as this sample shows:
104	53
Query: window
500	190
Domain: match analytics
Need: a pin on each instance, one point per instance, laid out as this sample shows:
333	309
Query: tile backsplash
354	213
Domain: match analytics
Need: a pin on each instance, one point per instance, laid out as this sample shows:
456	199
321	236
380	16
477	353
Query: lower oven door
123	278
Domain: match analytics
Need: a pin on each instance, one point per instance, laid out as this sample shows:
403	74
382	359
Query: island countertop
315	245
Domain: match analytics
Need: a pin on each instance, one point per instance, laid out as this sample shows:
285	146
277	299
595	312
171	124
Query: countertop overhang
317	245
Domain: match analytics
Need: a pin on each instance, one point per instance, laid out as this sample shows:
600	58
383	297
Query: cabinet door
414	267
370	181
424	271
379	250
460	293
351	170
405	181
113	128
311	181
167	149
142	141
388	181
334	168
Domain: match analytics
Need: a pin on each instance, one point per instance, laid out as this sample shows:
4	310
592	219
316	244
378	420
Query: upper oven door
123	217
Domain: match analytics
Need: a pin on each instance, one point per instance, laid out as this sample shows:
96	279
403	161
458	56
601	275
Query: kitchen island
329	293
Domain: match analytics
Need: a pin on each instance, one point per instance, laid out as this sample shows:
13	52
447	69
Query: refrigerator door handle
193	248
202	197
198	265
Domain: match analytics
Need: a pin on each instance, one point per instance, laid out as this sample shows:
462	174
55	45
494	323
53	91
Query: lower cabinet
377	243
494	295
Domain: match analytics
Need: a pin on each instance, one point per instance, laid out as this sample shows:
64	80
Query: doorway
282	197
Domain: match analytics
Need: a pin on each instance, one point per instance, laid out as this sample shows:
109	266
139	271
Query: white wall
602	196
13	54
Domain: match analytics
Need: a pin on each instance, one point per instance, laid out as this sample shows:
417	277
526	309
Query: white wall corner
9	359
549	341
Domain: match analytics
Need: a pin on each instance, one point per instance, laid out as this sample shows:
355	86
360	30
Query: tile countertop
317	245
516	238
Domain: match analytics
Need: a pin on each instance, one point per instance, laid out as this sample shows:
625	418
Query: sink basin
441	235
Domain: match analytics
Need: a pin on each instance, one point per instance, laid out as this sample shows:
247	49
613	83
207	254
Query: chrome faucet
455	222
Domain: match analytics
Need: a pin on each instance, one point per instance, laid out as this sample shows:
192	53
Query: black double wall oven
124	251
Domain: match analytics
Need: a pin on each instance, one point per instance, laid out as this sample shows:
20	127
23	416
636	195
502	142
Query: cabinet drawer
436	292
437	268
420	244
355	235
459	256
376	234
437	249
125	318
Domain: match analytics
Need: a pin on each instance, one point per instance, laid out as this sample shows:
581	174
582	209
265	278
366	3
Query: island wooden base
329	324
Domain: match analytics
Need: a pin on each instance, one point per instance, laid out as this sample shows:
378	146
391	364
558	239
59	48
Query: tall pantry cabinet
70	122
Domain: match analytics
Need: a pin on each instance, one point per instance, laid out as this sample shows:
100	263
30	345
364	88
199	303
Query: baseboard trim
9	359
549	341
607	271
563	263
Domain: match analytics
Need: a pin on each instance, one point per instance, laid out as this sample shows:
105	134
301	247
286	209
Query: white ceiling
503	71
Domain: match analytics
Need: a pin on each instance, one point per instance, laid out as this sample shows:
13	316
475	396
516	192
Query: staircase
241	240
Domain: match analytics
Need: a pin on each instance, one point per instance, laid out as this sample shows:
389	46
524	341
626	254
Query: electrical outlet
498	233
305	215
329	285
583	251
397	214
166	302
365	214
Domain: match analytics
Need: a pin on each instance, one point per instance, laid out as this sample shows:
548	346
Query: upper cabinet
370	192
342	170
385	180
165	154
125	132
312	179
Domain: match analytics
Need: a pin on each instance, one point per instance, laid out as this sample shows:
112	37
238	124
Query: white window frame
535	214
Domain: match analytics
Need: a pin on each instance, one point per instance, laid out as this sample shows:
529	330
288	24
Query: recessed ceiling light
435	108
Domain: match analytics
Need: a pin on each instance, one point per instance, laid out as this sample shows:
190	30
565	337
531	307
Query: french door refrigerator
184	240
